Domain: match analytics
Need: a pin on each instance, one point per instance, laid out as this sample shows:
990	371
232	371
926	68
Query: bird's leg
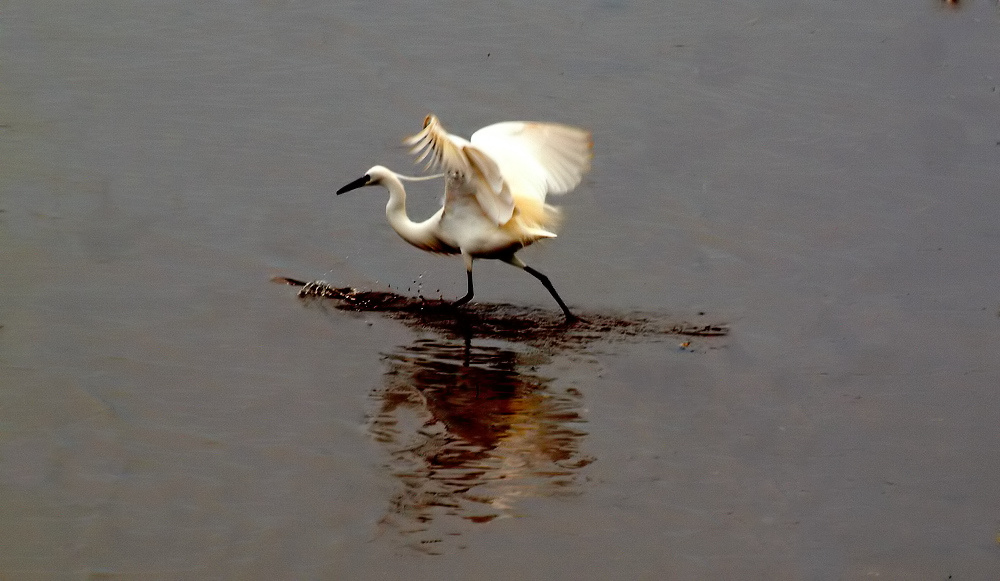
570	317
468	272
468	295
515	261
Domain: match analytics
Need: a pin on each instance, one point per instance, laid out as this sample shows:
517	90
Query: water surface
819	177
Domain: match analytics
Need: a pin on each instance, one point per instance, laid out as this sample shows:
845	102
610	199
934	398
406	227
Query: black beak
361	181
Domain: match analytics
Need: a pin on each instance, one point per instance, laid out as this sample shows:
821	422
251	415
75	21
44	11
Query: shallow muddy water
785	255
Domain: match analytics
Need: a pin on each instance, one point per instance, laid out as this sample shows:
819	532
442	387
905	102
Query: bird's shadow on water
468	423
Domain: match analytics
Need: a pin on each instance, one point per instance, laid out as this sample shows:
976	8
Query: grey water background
821	176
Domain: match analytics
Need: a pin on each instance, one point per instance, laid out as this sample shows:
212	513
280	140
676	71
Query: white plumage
497	182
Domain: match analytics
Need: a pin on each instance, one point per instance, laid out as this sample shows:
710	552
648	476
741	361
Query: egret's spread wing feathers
491	191
537	158
443	148
482	177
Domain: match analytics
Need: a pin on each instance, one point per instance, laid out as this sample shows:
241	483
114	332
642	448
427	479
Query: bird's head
372	177
380	175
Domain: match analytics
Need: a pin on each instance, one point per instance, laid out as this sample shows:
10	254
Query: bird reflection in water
470	429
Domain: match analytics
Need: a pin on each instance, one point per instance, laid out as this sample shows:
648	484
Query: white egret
494	201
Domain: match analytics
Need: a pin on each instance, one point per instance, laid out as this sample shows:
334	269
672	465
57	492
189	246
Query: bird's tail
534	219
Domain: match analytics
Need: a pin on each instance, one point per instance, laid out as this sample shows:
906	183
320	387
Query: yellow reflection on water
469	430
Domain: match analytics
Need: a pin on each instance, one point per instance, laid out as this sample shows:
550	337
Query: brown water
819	178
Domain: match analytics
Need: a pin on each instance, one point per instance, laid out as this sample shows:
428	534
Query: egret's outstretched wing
438	147
482	176
492	193
537	158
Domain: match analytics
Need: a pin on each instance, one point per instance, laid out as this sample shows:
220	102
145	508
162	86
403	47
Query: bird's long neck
415	233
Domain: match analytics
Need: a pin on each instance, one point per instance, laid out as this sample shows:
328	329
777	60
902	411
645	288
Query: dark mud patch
504	321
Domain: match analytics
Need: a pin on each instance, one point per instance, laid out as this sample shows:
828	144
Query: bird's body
497	182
